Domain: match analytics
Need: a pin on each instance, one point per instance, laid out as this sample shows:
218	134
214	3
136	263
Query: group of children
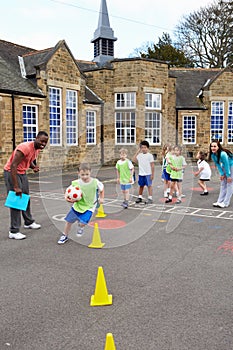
173	169
172	175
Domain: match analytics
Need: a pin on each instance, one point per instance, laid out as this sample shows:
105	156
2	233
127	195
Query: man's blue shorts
74	215
125	187
165	175
144	180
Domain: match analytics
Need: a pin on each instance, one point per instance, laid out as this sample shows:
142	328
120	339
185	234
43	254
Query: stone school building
93	109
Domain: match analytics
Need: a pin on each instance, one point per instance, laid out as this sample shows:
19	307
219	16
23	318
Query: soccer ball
73	193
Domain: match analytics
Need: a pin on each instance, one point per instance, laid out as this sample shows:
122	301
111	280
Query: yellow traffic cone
109	344
100	212
96	239
101	296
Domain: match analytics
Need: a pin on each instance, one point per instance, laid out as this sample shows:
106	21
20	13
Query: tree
164	50
206	36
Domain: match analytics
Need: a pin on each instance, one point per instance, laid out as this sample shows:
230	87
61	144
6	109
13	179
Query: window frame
230	130
30	125
153	130
125	100
155	99
191	116
91	129
73	128
126	131
220	116
59	126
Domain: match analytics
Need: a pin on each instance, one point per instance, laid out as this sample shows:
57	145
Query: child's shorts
176	180
165	175
125	187
74	215
144	180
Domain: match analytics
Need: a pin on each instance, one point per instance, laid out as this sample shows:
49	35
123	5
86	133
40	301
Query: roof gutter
20	93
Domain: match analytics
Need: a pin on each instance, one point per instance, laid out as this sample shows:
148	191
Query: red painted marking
108	224
227	246
199	189
174	199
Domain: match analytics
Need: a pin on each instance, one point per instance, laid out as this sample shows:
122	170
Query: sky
40	24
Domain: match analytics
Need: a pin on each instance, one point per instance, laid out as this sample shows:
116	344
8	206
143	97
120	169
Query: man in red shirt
21	159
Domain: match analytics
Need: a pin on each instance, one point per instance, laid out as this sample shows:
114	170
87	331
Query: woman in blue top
223	159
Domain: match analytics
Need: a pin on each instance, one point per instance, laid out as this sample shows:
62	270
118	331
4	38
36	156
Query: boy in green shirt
125	170
82	210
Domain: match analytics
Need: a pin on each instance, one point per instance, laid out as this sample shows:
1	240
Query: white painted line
40	182
169	210
196	211
152	208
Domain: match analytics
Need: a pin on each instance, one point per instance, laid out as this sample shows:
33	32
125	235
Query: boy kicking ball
83	209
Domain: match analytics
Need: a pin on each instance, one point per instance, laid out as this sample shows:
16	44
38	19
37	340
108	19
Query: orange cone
101	296
96	239
100	212
109	344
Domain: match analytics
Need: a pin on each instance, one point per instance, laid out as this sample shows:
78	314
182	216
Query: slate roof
91	97
86	65
189	83
11	80
37	58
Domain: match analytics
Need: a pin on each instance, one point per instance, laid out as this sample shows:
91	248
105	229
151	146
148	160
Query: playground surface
168	268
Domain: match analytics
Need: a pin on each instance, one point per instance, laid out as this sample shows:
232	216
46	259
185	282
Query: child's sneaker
168	200
178	201
63	239
149	201
125	204
138	200
80	232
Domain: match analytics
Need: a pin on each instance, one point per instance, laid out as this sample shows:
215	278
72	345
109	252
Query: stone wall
60	72
126	75
140	76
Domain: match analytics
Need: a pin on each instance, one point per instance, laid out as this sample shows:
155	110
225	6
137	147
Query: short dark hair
202	155
42	133
145	143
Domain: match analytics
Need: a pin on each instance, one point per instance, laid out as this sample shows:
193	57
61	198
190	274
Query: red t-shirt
30	154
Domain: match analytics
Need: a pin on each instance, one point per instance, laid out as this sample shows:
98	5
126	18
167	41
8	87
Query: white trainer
216	204
221	205
34	226
17	235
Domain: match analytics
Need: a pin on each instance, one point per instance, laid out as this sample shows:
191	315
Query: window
30	127
153	118
71	118
125	100
153	127
91	127
216	128
153	101
125	128
189	129
230	123
55	115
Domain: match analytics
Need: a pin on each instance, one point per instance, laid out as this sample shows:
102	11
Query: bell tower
103	37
